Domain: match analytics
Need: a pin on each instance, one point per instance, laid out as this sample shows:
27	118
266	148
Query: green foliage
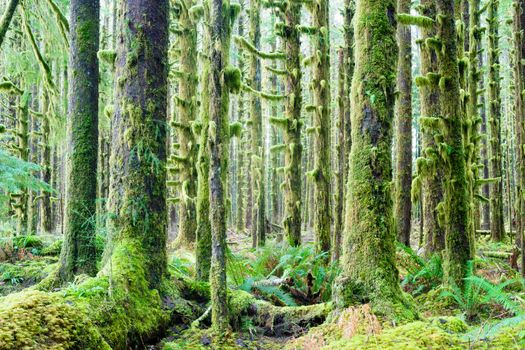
422	275
294	264
478	292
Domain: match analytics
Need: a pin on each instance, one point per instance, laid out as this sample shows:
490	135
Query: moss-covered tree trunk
348	33
292	123
78	252
403	181
322	172
472	126
7	16
432	184
339	150
368	251
241	151
137	194
203	236
258	227
46	220
519	85
497	227
221	79
186	110
21	199
457	205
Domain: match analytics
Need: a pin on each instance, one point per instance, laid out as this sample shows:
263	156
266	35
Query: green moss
22	274
38	320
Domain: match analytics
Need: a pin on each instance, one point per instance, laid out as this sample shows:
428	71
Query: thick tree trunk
403	202
368	261
457	205
78	251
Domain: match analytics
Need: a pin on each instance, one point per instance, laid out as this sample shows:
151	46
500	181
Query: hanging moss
417	20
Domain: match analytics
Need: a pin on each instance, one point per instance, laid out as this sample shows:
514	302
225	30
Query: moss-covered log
78	253
403	180
369	272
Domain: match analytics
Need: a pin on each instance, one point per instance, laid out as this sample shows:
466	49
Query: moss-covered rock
36	320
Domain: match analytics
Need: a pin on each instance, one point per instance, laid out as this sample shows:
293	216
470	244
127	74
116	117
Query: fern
478	291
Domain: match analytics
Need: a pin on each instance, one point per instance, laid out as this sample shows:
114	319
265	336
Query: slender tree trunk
258	227
218	139
78	251
519	85
339	149
5	21
292	124
369	272
456	188
403	202
45	212
432	187
186	111
497	226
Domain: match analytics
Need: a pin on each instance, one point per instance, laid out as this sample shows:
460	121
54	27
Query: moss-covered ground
277	303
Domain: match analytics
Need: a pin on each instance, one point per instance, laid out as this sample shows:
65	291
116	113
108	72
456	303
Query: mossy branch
415	20
245	44
262	94
8	87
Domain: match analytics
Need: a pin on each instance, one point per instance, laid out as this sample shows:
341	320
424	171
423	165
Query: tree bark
78	252
403	202
5	21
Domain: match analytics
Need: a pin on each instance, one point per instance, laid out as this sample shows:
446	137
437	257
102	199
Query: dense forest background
263	174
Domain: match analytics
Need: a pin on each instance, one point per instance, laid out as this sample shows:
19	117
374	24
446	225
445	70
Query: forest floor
488	314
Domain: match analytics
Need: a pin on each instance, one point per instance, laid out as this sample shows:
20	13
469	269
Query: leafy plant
421	275
478	292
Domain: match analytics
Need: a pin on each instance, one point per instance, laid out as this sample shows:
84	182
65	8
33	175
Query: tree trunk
78	252
497	227
339	149
368	252
458	220
5	21
432	187
258	227
292	124
403	202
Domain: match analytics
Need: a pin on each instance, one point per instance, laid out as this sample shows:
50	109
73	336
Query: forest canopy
262	174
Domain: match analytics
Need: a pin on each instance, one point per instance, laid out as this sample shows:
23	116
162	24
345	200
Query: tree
519	84
322	173
457	204
497	227
223	79
5	21
257	141
403	203
184	162
78	252
368	269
